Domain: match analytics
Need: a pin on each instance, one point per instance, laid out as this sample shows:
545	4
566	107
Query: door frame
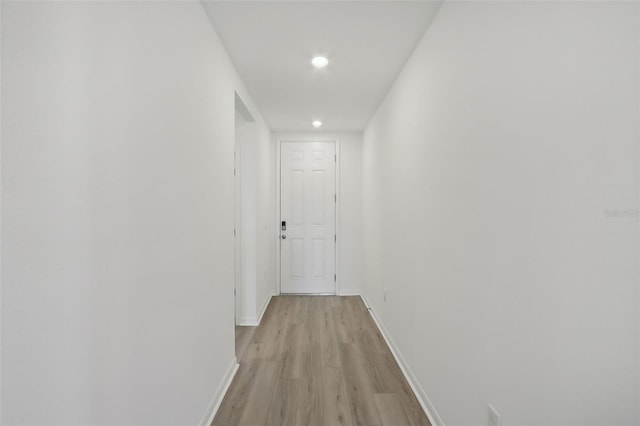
237	233
278	174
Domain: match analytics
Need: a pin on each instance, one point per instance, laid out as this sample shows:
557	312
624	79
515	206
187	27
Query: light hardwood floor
243	337
317	361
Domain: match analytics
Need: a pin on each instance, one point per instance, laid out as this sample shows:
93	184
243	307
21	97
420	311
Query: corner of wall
264	307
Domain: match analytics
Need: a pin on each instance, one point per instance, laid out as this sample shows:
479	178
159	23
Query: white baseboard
218	396
255	321
264	308
247	321
426	404
349	292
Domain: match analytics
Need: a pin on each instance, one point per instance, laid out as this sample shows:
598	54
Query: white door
307	217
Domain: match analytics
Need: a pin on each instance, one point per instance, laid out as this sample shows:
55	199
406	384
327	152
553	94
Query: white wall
488	171
350	221
265	220
246	147
117	208
257	229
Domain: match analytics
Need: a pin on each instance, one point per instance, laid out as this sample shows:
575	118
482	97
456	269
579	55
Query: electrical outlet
384	294
494	417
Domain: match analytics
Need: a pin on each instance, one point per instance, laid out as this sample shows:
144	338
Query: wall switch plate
494	417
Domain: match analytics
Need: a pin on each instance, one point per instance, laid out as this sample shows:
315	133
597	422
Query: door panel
308	187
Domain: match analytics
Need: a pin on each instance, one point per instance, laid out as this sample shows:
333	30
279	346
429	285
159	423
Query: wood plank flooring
317	361
243	337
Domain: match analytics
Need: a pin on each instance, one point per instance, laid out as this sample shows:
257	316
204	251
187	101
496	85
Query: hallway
166	175
318	360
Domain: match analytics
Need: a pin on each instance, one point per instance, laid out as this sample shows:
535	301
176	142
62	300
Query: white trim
336	262
237	231
276	216
255	321
350	292
308	138
264	307
308	294
421	395
247	322
278	173
218	396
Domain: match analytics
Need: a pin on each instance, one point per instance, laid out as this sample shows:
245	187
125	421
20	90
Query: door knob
284	237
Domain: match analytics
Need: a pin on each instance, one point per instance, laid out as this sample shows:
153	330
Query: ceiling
271	43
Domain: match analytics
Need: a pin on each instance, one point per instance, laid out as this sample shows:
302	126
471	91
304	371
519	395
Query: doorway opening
244	208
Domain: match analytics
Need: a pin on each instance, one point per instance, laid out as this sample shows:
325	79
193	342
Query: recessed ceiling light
317	123
319	62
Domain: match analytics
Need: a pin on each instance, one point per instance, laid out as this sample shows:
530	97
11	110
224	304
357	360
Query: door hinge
335	238
234	172
335	277
335	158
335	198
234	291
